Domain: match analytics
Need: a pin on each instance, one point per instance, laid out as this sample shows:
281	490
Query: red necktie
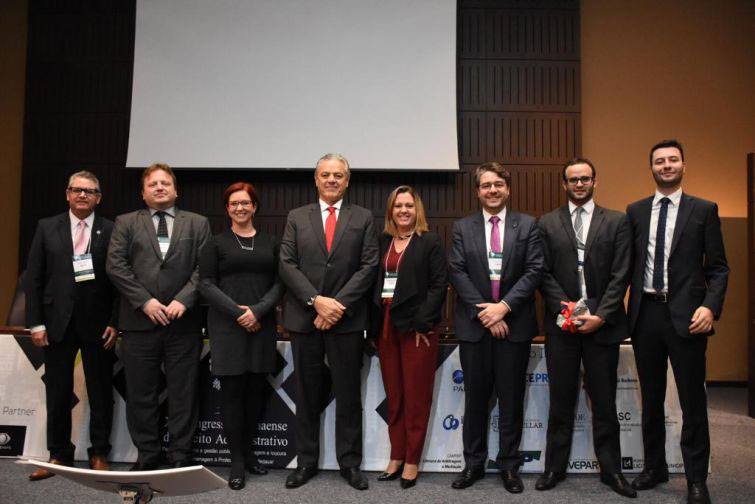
330	227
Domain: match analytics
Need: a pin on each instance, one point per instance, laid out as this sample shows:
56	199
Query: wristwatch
311	301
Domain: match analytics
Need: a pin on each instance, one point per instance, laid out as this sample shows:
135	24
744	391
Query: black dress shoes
386	476
618	484
512	482
237	480
256	469
548	480
300	476
467	477
697	493
145	466
355	478
649	478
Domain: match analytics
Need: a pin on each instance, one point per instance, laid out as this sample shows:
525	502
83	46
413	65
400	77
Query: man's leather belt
658	297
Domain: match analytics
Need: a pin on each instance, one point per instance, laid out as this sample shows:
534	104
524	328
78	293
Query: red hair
241	186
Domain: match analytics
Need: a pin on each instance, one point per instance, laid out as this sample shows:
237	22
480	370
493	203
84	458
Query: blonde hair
421	223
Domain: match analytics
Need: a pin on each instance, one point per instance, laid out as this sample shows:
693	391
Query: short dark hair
241	186
495	167
576	161
666	143
159	166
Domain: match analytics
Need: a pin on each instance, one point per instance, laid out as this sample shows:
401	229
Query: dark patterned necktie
162	225
660	246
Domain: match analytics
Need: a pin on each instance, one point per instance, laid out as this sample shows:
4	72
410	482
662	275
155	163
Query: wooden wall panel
518	102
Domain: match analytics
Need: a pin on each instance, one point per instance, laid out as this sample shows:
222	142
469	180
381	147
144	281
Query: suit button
328	265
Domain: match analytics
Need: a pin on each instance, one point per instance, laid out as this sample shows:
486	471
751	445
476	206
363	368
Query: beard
580	198
660	182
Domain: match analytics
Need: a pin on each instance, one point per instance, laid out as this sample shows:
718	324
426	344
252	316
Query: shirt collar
587	207
501	215
75	220
170	211
324	206
675	197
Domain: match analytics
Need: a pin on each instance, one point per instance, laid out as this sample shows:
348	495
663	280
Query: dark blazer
346	273
137	269
421	286
606	269
52	295
697	269
522	267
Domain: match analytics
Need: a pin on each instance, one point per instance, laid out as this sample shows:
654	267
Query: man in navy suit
678	285
495	264
69	307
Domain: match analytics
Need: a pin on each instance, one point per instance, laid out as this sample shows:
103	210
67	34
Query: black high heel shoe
408	483
386	476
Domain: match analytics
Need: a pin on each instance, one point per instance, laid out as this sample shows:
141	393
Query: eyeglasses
489	185
83	190
242	203
574	180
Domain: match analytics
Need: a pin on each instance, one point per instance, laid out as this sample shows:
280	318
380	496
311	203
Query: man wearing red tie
328	261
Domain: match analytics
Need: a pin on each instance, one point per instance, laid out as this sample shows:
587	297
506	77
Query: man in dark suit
587	256
678	285
69	307
328	261
153	260
496	261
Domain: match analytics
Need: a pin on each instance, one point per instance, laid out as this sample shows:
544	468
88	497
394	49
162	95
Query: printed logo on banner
12	439
451	422
624	416
533	423
537	351
540	379
627	463
584	465
458	378
530	456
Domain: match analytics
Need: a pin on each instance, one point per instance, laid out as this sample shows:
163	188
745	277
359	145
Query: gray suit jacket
346	273
608	255
136	267
520	275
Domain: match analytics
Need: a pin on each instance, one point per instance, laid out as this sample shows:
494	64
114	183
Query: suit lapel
646	209
64	230
344	216
565	218
478	231
597	220
315	221
96	232
149	228
509	238
682	216
407	288
178	226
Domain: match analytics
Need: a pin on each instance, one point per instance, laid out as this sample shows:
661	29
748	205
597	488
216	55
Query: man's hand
175	310
39	339
247	319
499	330
702	321
329	309
254	327
492	313
322	324
156	311
109	336
421	337
590	323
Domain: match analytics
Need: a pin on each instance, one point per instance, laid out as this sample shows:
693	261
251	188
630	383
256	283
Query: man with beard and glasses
678	283
587	256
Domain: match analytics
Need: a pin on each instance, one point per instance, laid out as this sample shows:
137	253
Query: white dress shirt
589	209
489	227
324	210
673	211
170	216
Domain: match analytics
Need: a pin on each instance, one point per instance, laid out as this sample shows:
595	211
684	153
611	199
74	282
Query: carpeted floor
732	433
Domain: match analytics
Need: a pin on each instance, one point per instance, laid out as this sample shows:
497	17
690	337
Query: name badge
495	262
164	243
83	268
389	284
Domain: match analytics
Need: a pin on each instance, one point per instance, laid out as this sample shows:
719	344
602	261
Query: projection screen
276	83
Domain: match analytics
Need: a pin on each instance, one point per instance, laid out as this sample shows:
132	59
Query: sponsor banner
22	406
12	439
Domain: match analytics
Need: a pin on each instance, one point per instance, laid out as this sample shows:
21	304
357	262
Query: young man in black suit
69	307
678	285
495	264
587	256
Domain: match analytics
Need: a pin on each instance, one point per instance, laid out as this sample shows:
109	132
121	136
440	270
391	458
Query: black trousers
143	353
98	373
242	401
563	354
655	342
344	353
487	364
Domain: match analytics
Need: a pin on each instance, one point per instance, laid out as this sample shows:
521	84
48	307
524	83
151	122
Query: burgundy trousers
408	376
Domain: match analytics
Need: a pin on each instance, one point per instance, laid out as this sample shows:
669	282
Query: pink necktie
495	246
80	241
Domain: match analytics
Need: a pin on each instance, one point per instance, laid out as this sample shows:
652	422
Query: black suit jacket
697	267
421	286
606	269
521	270
52	295
346	273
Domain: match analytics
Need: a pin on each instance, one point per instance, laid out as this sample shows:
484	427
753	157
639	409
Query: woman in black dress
238	273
